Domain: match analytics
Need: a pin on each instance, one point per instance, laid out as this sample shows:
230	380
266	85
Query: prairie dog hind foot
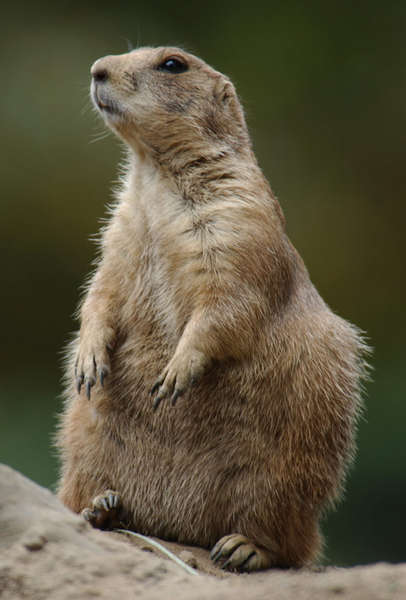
235	552
106	511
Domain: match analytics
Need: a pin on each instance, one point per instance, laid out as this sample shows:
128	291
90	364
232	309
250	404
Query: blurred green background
324	88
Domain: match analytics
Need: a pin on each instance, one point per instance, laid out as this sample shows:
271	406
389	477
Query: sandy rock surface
48	552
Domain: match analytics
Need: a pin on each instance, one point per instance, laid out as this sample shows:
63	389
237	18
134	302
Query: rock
189	558
48	552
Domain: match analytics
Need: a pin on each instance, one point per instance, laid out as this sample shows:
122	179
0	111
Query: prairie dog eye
173	65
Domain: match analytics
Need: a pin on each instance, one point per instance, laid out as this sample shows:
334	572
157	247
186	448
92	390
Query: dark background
324	88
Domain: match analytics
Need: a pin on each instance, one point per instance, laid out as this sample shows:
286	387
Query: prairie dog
200	296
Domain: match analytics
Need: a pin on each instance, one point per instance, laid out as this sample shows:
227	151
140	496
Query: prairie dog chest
175	234
162	247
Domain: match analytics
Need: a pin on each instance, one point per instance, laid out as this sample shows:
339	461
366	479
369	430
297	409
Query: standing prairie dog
200	297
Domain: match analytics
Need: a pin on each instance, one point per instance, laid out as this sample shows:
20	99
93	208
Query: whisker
100	136
138	45
130	45
86	108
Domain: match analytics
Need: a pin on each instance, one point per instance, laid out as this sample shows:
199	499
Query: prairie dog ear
229	110
224	91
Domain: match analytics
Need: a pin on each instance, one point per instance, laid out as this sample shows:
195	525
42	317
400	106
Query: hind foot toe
105	511
235	552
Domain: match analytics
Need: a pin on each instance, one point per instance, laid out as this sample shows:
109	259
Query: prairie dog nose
99	70
100	75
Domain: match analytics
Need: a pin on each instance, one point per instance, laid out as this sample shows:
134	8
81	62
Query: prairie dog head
167	102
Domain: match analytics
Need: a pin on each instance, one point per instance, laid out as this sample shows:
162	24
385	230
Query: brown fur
198	285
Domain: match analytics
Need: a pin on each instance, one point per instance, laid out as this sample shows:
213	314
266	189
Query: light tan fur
199	290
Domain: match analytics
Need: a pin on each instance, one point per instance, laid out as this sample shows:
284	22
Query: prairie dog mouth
103	102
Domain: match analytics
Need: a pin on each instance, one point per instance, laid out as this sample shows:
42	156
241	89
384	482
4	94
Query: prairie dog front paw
93	360
183	370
